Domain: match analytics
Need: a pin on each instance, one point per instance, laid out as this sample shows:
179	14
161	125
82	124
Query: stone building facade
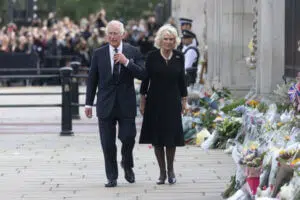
228	30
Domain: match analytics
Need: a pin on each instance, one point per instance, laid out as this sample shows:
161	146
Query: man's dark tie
116	70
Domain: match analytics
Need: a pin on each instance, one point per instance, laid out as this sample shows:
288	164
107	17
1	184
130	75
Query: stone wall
229	30
193	9
229	25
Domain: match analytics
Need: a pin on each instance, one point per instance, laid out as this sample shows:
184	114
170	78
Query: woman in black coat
163	99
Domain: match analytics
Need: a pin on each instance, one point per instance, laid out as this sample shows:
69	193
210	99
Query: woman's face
168	41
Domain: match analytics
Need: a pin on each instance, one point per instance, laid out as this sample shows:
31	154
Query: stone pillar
213	39
271	44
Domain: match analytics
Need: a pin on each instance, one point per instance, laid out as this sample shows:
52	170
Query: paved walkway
36	163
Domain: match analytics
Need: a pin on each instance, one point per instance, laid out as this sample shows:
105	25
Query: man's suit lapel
126	54
107	62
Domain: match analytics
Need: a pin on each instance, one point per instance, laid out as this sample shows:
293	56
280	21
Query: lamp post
32	9
10	11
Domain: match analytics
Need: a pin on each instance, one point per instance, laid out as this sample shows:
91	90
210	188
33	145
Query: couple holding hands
163	99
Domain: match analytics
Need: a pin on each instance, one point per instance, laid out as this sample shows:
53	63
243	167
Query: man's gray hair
115	23
168	28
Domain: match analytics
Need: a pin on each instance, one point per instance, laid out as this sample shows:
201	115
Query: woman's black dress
164	88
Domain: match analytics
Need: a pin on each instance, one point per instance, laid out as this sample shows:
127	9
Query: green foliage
224	93
282	107
226	130
208	119
234	114
204	103
226	109
262	107
230	189
115	9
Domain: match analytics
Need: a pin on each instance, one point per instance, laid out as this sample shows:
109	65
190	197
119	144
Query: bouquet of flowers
208	119
295	163
262	107
227	129
228	108
286	155
252	103
285	171
253	161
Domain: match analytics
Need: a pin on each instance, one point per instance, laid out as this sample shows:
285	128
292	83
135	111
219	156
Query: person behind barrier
112	71
191	55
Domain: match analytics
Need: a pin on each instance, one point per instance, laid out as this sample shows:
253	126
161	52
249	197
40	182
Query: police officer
191	55
186	24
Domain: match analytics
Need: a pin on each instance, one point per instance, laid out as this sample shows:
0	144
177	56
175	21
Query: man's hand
121	58
88	112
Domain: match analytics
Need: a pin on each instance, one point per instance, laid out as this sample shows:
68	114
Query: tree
126	9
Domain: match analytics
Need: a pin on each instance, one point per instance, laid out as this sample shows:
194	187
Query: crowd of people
58	38
56	41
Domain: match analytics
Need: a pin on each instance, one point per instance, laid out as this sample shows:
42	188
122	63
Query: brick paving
37	163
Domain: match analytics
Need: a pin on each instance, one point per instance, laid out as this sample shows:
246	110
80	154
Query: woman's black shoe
171	177
162	178
172	180
111	183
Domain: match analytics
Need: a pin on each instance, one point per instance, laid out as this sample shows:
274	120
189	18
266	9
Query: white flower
286	192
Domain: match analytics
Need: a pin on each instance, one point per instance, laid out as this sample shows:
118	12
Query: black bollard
75	90
66	111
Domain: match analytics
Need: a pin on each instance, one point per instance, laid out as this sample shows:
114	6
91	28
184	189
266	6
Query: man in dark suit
113	69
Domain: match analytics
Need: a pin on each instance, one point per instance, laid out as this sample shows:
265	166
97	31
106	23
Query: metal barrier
70	94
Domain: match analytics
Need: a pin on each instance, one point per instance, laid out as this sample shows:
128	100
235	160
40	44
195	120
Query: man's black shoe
111	183
129	175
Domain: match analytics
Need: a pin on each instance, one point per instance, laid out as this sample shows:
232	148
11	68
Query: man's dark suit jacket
110	92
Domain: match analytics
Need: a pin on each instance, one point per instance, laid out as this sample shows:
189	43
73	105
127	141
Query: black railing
70	94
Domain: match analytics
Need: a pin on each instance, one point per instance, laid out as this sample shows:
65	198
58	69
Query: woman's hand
142	104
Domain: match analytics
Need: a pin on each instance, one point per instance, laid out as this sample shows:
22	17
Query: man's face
151	20
114	35
186	27
187	41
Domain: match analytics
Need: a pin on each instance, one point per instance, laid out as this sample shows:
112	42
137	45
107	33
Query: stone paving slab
37	164
48	166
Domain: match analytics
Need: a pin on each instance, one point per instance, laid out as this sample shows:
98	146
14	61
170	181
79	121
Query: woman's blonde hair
167	28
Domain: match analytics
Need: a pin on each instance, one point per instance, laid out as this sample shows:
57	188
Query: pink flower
265	187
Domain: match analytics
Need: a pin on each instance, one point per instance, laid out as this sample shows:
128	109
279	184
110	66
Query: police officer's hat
188	34
185	21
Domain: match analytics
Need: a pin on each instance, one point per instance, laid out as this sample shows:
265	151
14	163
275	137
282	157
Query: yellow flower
250	45
253	103
279	124
294	162
196	114
213	125
252	147
281	152
287	138
193	125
